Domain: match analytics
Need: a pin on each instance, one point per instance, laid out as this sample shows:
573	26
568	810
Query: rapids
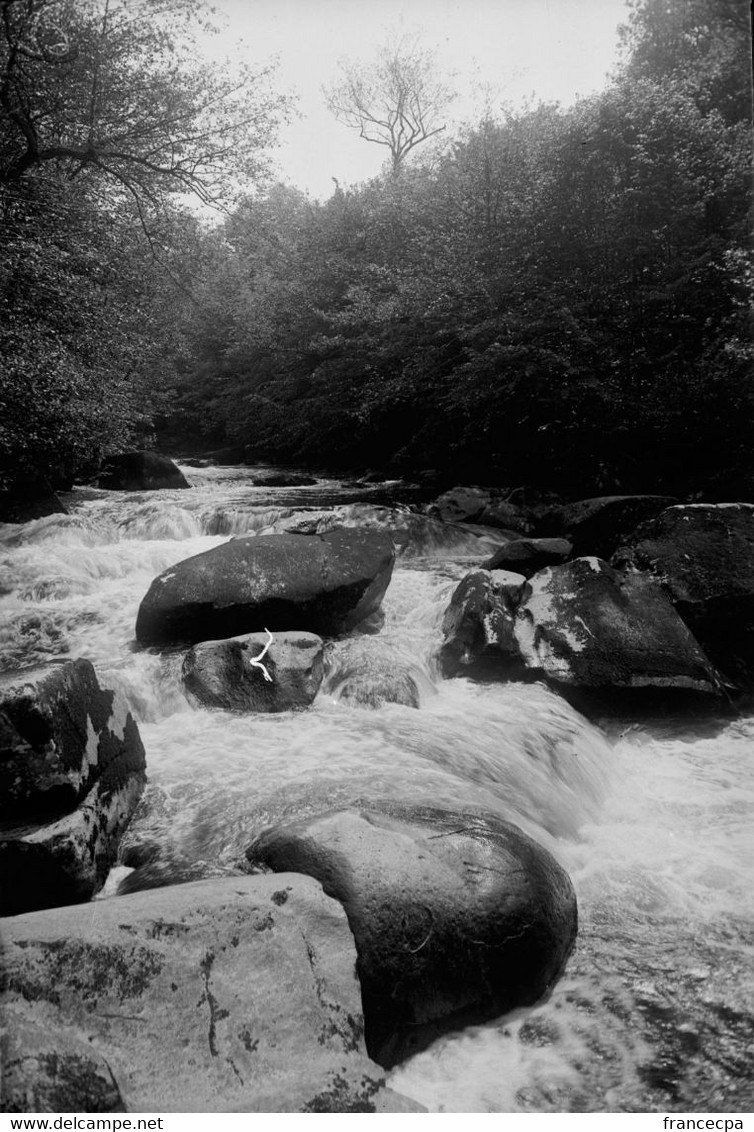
655	1010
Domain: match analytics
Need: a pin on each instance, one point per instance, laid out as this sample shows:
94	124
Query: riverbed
652	819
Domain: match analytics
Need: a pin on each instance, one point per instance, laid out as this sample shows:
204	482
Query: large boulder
584	624
457	916
235	995
72	768
528	556
324	584
224	674
598	526
478	623
27	498
703	554
140	471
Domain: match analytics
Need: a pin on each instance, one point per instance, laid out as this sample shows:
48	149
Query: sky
497	50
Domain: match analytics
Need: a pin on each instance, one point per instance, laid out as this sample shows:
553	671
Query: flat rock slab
220	996
324	584
457	916
586	625
229	674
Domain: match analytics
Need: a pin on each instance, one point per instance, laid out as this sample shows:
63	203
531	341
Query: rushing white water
654	1012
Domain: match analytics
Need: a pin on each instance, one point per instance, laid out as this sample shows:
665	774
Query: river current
652	819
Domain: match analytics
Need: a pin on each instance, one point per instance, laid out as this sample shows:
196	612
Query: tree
398	101
107	120
112	88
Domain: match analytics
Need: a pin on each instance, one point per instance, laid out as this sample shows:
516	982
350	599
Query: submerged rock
478	623
528	556
703	554
457	916
72	768
365	672
221	674
586	625
598	526
323	584
220	996
140	471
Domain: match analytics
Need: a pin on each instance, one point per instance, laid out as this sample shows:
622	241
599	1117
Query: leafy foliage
561	299
106	121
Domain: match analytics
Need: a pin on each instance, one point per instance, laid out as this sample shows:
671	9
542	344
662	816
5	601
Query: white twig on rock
257	660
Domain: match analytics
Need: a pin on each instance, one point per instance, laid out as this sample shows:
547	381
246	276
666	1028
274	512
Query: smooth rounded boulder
72	769
252	673
457	916
141	471
324	584
703	555
586	625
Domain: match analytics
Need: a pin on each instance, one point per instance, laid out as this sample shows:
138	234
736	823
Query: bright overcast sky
552	49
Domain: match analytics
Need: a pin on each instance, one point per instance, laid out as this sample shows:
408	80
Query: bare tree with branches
397	101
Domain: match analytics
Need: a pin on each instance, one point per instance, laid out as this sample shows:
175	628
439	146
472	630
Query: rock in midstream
457	916
324	584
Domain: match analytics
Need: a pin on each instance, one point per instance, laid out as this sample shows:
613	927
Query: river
652	819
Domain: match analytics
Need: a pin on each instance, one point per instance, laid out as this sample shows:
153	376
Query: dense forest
557	297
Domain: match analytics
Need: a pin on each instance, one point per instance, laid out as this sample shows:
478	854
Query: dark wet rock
221	674
29	498
528	556
283	479
72	768
599	526
324	584
457	916
703	554
60	732
478	623
48	1070
140	471
584	624
460	505
226	995
502	513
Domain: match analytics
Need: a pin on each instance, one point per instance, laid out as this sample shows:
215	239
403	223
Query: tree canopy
560	298
107	119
